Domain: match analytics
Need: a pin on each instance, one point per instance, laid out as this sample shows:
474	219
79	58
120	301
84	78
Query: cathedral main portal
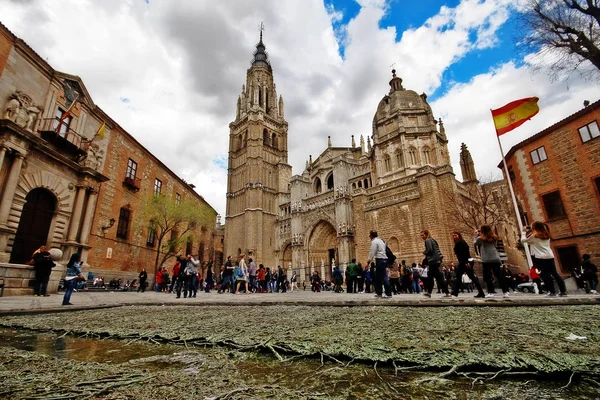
322	249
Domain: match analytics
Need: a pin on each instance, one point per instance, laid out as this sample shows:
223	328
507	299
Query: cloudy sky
170	71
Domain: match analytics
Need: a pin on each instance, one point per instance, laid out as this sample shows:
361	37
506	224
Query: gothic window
330	182
399	160
354	185
366	183
360	184
266	137
426	156
412	154
245	139
274	141
260	103
267	101
387	163
317	186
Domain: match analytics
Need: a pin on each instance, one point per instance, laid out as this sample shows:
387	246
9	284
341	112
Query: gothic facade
397	182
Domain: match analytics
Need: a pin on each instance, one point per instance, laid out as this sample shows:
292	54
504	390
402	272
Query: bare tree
564	32
173	223
478	203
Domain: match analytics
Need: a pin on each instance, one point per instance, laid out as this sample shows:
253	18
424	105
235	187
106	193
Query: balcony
64	138
132	183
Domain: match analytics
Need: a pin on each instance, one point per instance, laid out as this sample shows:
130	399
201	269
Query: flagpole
514	201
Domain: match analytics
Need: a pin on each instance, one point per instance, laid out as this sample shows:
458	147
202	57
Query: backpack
390	255
407	270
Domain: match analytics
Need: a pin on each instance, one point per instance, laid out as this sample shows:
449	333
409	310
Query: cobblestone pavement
83	300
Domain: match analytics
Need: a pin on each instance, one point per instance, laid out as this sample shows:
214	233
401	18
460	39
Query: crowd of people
385	276
381	274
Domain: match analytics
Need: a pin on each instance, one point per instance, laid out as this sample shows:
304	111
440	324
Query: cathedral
395	182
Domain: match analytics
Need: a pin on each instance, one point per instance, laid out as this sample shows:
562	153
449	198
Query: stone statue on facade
94	157
21	110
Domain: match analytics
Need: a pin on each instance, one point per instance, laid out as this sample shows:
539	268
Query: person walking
379	256
433	257
351	277
417	273
485	241
281	279
73	274
174	275
539	241
241	275
360	279
191	277
395	279
42	264
227	277
252	275
143	276
589	272
465	265
294	282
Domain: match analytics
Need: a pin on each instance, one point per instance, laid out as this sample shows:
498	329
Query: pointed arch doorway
34	225
323	248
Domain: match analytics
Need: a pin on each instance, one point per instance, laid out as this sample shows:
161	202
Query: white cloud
181	65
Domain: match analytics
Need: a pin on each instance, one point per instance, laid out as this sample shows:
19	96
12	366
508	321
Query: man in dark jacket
590	273
43	268
143	277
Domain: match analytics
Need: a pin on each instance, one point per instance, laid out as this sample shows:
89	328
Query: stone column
76	215
2	154
10	188
87	219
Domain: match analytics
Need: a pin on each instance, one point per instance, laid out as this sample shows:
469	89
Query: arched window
366	183
318	186
267	101
354	185
387	163
399	159
266	137
426	156
274	141
360	184
330	182
412	154
260	97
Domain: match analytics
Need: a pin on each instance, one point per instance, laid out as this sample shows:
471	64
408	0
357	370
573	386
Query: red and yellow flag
514	114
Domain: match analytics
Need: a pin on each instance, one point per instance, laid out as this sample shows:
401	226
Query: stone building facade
556	178
63	175
397	183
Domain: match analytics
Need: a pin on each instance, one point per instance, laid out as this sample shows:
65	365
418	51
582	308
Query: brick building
67	179
399	181
556	178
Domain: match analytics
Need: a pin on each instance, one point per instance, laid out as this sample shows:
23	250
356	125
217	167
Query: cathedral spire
261	58
467	166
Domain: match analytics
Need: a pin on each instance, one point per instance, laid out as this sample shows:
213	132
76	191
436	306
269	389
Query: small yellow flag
100	132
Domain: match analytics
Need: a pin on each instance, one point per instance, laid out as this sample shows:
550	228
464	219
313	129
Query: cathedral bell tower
258	172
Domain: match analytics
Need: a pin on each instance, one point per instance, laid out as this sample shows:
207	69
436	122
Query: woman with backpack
433	258
485	240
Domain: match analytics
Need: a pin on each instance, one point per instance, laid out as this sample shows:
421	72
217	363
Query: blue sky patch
221	162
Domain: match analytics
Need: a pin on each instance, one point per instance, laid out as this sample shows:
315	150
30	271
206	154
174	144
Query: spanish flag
514	114
100	132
